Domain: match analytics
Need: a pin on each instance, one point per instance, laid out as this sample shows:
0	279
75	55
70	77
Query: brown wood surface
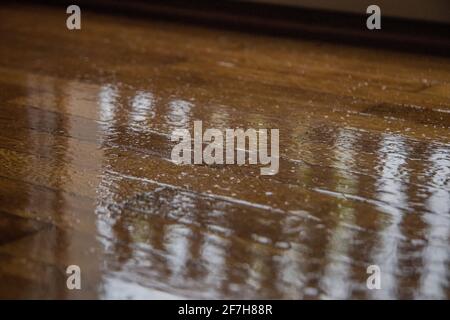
86	176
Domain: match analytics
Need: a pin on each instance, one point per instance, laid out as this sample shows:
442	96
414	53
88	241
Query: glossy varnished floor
85	176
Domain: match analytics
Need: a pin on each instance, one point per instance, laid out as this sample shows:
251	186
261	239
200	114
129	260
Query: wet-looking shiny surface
86	176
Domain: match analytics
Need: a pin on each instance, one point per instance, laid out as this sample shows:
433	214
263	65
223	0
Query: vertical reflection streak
142	105
337	271
178	114
391	191
436	254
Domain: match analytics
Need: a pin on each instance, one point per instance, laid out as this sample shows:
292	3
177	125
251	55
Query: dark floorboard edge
341	28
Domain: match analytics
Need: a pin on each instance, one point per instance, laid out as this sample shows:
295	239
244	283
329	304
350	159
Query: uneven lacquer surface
86	176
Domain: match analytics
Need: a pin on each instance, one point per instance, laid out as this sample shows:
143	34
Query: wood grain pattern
86	176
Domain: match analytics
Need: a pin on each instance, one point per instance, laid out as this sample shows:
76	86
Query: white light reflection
336	276
393	155
142	106
436	255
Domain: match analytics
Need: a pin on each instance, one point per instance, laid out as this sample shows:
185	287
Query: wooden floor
86	176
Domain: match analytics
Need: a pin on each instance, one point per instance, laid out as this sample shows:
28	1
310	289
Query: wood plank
86	176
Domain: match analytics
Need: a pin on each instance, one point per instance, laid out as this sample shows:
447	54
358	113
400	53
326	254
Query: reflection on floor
85	176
